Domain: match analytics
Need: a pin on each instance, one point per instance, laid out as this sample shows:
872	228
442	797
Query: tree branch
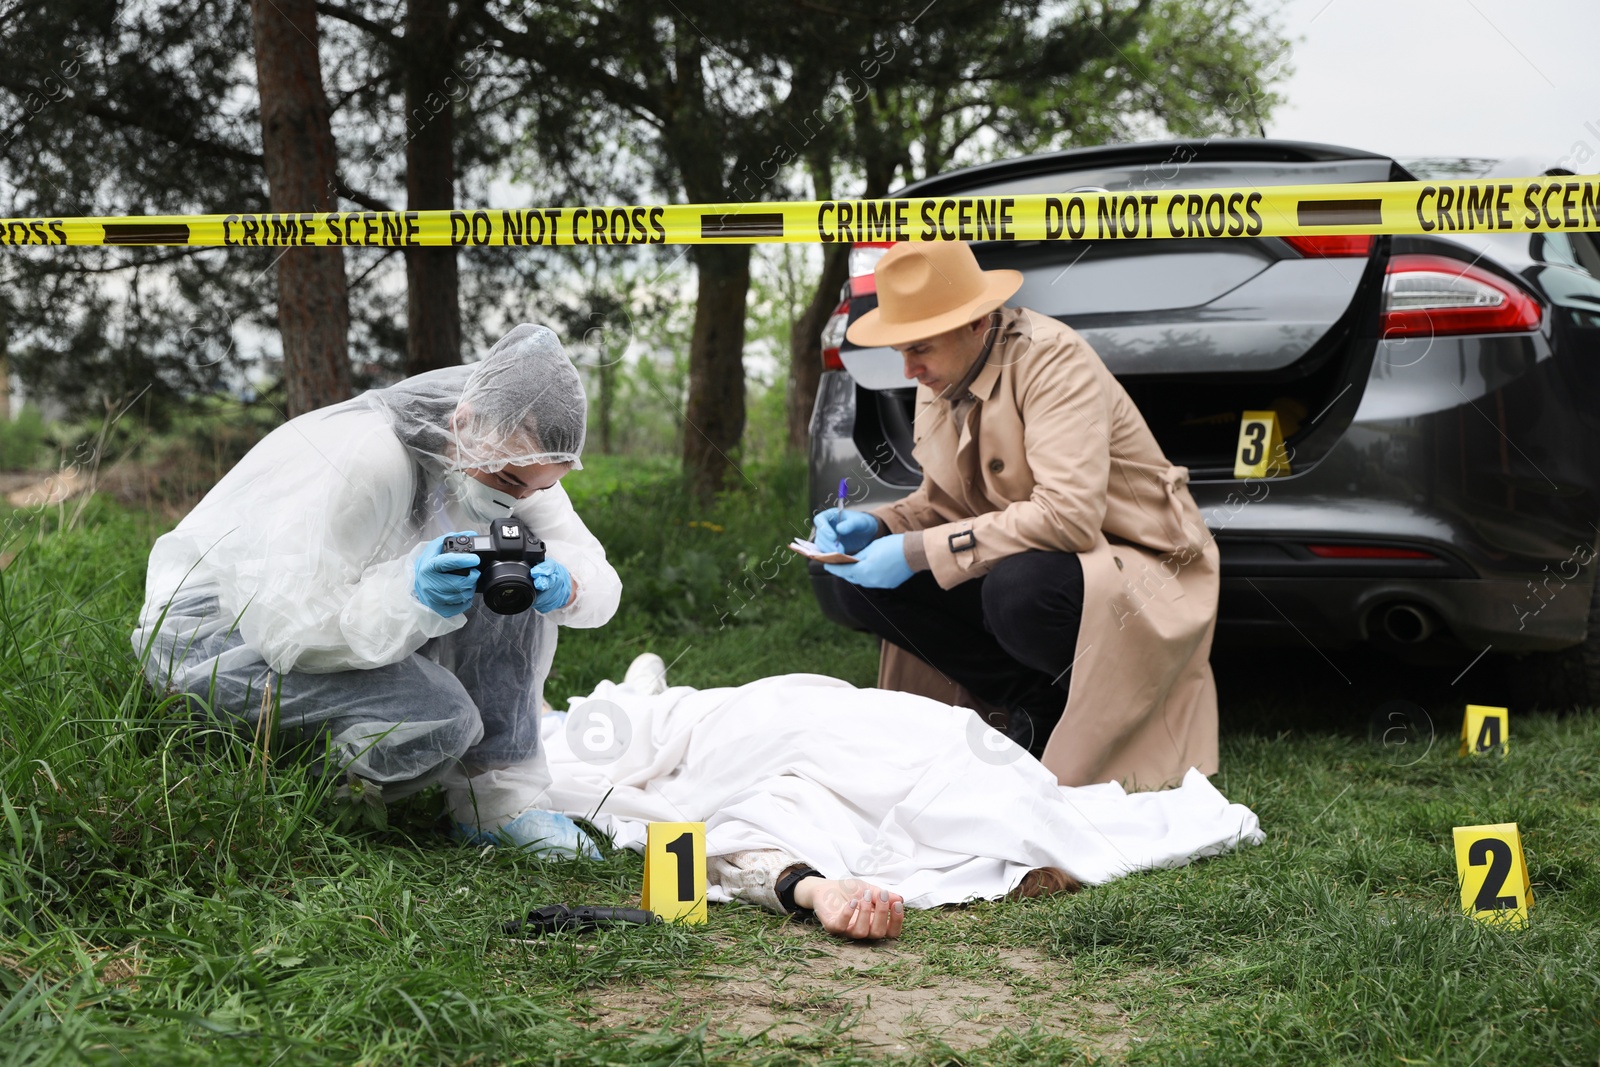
168	257
384	34
356	196
635	98
183	136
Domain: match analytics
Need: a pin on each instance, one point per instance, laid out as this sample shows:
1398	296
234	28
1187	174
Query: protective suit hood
522	404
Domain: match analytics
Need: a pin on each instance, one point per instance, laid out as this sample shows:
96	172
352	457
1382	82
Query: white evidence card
809	550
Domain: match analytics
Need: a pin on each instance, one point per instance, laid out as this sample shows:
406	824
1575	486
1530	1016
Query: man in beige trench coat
1051	551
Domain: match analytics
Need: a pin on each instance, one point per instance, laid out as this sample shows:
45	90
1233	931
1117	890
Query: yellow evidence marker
675	871
1261	452
1493	874
1485	729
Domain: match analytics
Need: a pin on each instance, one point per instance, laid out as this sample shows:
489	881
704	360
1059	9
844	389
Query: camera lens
508	589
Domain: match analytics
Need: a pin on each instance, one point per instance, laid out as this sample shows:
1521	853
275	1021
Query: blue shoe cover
546	833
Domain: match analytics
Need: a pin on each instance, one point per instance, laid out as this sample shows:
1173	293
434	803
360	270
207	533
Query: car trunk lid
1198	330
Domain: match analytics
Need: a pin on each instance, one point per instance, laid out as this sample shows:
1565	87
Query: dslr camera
505	558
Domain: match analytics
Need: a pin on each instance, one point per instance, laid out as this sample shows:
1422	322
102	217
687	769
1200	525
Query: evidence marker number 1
675	871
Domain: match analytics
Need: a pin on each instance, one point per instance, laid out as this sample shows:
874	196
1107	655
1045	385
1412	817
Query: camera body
505	558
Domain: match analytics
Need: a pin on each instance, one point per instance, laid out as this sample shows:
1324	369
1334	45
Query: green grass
166	900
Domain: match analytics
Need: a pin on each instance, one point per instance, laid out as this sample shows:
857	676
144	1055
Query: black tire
1568	680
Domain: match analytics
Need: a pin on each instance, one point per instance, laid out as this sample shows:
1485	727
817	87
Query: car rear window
1170	174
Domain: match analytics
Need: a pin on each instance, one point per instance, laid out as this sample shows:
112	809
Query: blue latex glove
434	585
554	583
847	532
881	565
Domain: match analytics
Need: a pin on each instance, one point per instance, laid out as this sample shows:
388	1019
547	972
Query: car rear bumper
1476	613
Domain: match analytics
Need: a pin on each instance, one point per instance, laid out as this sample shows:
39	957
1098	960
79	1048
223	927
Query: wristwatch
785	889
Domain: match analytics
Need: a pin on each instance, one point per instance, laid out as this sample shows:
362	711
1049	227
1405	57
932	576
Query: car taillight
833	337
1436	296
863	258
1330	246
1367	552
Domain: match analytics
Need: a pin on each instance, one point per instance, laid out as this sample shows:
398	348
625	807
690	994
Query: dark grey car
1440	398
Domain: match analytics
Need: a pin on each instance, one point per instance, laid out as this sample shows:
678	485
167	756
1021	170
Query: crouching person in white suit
312	583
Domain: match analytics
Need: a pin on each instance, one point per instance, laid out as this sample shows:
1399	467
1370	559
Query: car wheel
1562	681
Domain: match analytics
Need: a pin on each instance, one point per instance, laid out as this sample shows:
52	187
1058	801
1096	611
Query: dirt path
882	996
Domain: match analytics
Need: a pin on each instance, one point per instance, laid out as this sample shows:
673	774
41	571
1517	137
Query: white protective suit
295	573
916	796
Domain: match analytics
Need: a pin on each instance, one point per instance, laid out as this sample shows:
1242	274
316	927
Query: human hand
445	581
843	531
852	908
554	583
881	565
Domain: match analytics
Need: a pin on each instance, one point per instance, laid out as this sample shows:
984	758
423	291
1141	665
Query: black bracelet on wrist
785	889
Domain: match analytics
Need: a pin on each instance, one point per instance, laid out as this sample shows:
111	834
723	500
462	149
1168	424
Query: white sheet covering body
914	795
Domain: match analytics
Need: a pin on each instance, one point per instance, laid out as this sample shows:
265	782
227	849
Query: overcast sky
1413	78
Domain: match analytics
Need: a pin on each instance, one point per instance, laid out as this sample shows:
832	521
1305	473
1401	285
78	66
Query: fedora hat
929	288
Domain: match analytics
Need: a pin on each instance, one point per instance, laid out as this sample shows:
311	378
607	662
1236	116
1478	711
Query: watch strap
785	890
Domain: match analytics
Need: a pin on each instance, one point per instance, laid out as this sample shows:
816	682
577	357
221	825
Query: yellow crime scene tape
1518	205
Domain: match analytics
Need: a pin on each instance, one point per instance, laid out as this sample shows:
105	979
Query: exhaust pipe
1407	624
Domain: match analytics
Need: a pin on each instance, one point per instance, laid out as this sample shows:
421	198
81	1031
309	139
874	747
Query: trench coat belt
1174	479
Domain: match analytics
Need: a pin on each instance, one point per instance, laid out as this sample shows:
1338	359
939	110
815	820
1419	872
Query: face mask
476	500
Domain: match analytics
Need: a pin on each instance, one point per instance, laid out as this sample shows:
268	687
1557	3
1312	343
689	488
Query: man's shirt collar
982	384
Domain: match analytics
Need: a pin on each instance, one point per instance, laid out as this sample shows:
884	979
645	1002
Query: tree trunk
433	309
805	344
5	368
608	395
714	414
297	146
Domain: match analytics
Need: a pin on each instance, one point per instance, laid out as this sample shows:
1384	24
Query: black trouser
1009	637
